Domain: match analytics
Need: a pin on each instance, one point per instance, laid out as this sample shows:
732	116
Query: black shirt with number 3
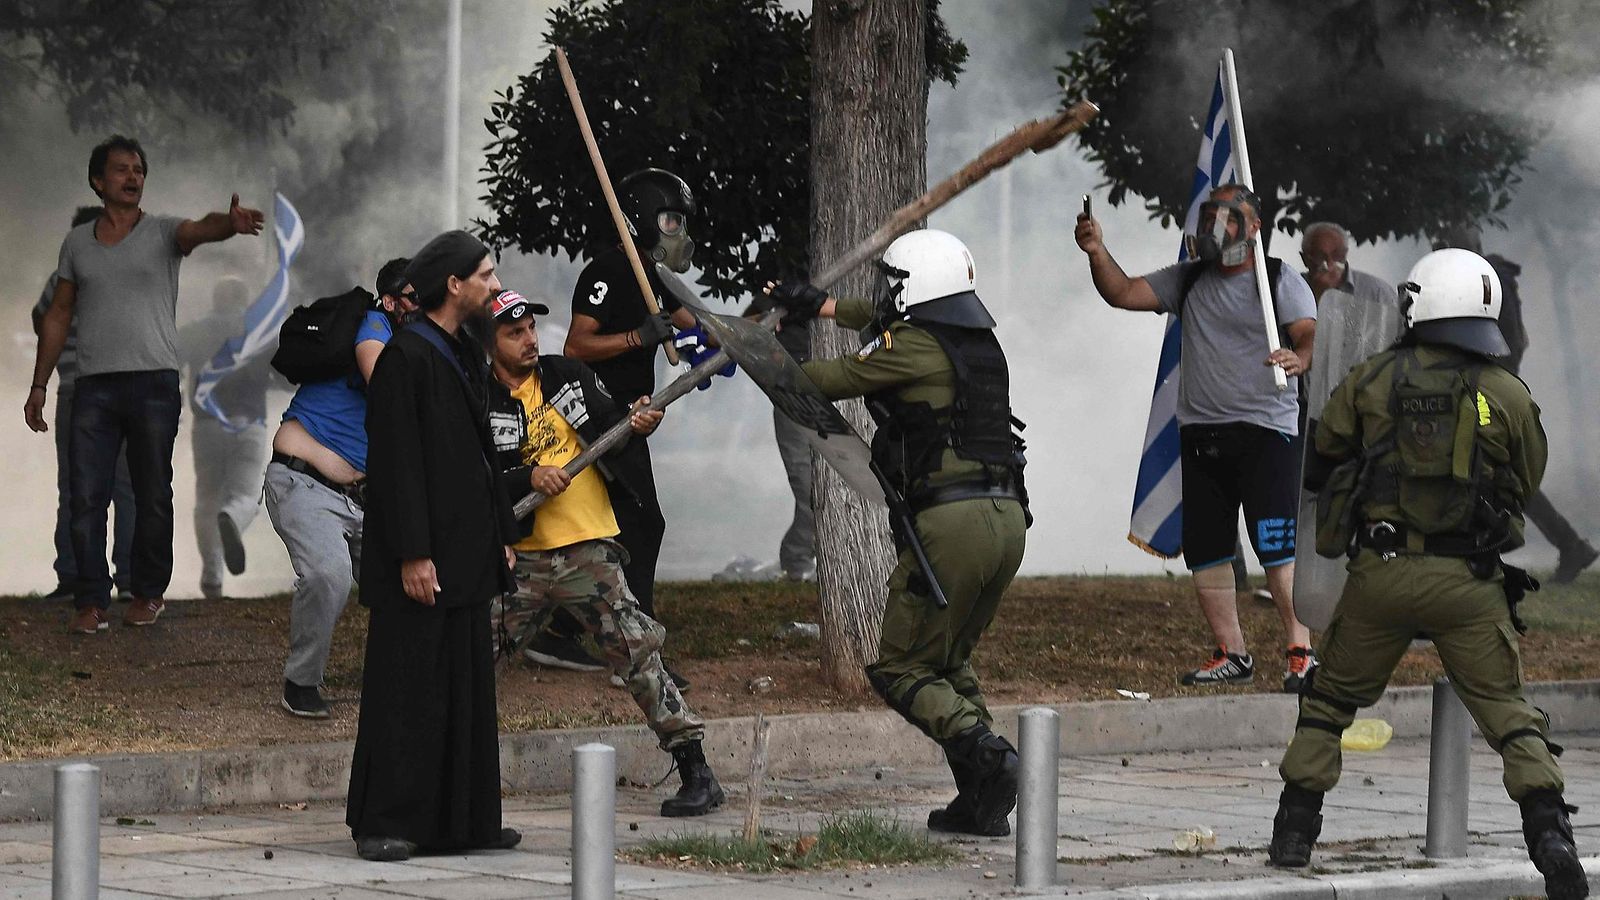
608	292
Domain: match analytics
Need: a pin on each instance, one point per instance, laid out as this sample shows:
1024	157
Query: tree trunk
869	101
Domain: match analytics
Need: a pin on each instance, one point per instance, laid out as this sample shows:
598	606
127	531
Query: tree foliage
716	91
134	64
1394	119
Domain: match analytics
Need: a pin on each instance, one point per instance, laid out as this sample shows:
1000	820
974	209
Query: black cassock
427	760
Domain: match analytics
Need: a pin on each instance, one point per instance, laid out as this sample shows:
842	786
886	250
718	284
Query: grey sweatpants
322	530
227	479
797	551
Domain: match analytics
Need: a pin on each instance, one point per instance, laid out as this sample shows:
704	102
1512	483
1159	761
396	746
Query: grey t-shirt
127	307
1222	378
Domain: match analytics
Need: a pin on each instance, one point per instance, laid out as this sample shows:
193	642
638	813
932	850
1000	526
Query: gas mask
888	293
673	247
1210	242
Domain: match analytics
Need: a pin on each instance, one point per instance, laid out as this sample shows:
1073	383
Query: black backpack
317	342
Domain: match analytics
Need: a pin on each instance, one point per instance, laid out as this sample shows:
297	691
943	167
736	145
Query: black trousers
427	757
642	527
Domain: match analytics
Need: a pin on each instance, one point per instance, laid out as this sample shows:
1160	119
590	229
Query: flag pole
1230	94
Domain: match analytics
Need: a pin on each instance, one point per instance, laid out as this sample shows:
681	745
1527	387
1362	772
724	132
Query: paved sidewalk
1119	817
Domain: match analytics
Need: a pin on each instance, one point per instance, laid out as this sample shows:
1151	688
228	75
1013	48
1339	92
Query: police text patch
1427	404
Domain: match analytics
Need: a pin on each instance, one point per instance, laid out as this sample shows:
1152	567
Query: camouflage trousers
586	579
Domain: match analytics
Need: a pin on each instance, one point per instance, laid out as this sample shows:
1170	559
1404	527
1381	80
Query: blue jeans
66	564
139	411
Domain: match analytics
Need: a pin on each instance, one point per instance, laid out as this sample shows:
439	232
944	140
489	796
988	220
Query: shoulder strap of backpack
432	336
1192	271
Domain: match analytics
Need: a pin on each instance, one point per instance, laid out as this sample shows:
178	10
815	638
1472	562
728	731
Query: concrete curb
1457	880
800	744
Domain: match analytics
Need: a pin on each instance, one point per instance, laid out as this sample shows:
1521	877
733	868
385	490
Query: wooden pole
1269	316
758	775
617	218
1038	136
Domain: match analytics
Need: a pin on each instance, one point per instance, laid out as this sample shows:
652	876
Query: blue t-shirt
335	411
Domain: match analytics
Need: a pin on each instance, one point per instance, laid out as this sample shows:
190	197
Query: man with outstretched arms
1425	456
1238	432
117	285
937	385
315	490
614	332
542	411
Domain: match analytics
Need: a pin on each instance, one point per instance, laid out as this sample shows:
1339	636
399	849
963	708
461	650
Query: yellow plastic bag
1366	734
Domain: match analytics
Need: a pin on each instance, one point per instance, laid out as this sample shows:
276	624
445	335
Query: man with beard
426	773
543	410
615	334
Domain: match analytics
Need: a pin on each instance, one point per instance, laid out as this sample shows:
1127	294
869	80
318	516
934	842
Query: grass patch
698	615
1569	608
848	839
38	710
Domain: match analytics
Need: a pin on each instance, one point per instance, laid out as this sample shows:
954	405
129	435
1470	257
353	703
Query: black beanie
452	253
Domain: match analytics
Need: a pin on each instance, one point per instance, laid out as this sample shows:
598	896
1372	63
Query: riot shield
758	353
1349	329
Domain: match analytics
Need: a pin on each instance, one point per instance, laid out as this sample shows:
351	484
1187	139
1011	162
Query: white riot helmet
929	275
1453	297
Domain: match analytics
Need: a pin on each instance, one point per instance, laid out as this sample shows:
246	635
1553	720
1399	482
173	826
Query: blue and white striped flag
1157	524
262	320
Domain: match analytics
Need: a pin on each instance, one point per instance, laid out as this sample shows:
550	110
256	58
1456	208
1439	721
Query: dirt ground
209	674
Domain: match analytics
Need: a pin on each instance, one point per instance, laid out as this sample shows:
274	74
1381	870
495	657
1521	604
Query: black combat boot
959	816
992	764
1295	828
1548	831
700	793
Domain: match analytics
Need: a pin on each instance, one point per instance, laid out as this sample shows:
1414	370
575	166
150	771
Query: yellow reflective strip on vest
1483	410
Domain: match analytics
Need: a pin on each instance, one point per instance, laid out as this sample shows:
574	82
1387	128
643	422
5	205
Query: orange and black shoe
1300	663
1223	668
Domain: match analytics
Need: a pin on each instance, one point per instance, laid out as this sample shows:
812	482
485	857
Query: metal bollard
594	816
75	844
1039	733
1449	753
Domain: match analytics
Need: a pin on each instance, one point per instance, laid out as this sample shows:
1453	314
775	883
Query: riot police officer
1424	457
936	383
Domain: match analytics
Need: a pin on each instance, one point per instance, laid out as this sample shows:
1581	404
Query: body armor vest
911	438
1430	468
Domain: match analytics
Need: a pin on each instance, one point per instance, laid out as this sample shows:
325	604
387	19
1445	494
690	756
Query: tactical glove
655	329
800	300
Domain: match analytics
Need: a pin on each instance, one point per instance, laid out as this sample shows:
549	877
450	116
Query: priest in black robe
426	774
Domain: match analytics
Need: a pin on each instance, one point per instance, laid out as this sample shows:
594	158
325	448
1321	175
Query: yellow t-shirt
583	511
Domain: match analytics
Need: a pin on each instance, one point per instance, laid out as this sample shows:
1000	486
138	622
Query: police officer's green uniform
1398	588
941	425
1432	451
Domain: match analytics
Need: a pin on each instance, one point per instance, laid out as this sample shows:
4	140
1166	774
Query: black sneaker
548	649
1224	668
305	702
62	591
232	544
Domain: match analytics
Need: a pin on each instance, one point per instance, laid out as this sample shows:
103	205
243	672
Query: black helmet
645	195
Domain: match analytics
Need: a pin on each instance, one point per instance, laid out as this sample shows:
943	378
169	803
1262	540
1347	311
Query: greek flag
262	319
1157	523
